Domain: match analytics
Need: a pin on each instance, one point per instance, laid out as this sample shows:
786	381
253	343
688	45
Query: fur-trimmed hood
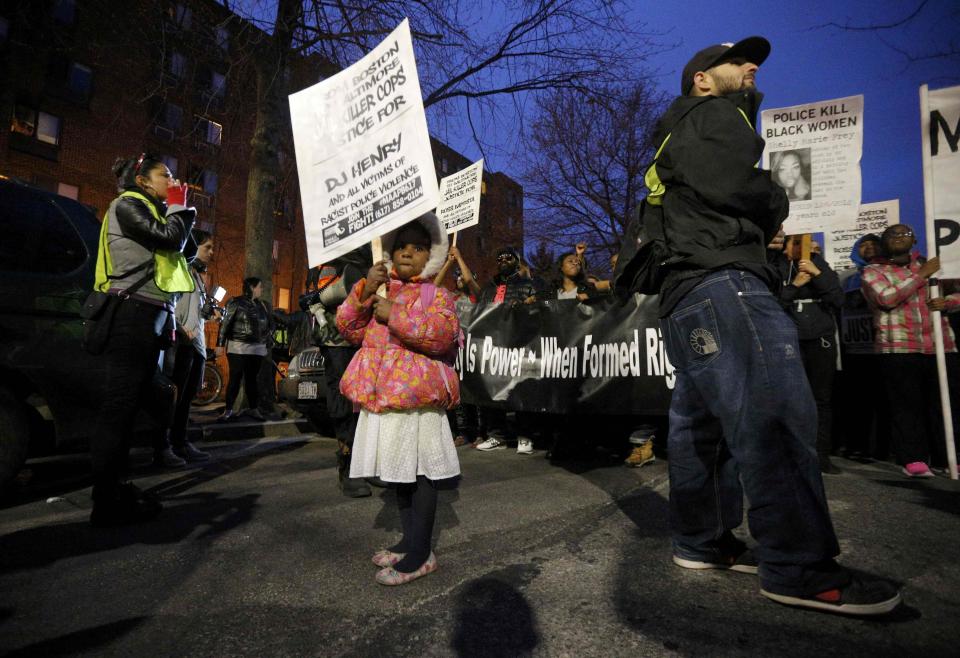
439	245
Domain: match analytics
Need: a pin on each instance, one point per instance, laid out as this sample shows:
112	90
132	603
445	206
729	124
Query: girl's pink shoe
386	558
390	576
917	470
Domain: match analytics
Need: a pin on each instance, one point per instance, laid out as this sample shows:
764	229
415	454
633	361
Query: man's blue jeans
742	411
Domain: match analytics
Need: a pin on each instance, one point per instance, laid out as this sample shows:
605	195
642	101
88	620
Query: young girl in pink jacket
403	385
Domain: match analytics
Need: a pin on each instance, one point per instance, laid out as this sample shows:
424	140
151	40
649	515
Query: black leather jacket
244	320
518	289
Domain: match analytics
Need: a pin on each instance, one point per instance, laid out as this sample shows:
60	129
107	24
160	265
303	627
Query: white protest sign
363	150
872	218
460	198
813	151
940	127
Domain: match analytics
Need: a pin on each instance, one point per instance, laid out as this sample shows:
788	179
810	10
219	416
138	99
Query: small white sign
873	218
460	198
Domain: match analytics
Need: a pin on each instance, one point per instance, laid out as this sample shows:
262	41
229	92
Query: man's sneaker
493	443
861	596
917	470
745	562
640	455
524	447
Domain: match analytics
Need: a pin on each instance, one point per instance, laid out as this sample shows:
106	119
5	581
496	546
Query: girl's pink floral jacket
398	365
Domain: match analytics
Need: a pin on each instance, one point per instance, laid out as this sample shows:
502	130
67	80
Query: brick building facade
87	81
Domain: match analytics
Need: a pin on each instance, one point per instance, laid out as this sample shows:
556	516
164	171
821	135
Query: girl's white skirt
397	446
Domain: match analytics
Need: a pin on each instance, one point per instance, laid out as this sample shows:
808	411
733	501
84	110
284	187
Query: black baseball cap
753	49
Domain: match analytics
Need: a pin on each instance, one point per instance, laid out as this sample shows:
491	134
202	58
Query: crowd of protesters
388	328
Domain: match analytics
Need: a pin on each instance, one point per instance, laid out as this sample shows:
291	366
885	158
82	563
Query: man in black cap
742	410
509	286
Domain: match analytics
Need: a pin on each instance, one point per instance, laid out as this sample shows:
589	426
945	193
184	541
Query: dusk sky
810	64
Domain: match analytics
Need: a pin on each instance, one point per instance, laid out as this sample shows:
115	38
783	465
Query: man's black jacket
518	289
717	200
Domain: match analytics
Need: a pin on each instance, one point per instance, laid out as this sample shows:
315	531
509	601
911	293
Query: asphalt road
258	554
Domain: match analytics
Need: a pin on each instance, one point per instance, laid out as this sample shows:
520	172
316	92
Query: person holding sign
742	417
896	288
811	294
403	382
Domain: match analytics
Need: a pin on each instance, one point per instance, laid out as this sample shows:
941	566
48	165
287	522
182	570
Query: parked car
304	387
50	389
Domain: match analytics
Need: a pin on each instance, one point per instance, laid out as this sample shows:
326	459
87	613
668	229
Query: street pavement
258	554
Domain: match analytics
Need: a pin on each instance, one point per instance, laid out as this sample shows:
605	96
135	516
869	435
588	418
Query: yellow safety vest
170	273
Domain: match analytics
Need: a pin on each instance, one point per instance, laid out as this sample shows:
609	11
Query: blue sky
810	64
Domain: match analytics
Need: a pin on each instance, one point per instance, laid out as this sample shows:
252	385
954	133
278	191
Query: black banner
563	356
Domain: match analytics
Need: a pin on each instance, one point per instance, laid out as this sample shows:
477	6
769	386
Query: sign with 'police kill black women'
363	150
564	356
813	152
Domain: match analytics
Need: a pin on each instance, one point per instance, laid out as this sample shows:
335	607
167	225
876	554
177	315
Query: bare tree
542	261
935	22
588	154
512	49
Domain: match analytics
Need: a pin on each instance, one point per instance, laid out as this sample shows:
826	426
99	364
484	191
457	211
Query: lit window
171	163
4	29
69	191
444	165
178	65
79	78
283	299
24	120
48	128
65	11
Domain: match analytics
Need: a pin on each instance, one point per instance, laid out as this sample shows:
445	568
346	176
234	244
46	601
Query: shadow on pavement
88	639
492	617
183	514
44	545
931	493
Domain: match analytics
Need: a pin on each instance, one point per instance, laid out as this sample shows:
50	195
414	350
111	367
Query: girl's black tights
417	502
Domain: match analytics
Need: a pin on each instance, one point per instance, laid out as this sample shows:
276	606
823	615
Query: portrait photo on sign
791	171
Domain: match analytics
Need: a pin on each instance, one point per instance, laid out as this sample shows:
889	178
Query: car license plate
307	391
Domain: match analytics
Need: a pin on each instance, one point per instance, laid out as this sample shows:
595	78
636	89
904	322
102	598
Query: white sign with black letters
813	151
941	152
872	218
460	198
363	150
